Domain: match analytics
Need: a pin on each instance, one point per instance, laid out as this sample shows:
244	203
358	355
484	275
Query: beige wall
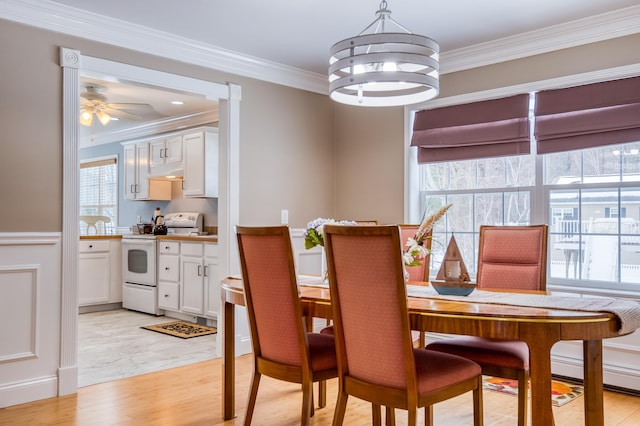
369	164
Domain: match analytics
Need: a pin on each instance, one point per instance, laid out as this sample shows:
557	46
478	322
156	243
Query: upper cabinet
165	155
200	178
136	171
192	154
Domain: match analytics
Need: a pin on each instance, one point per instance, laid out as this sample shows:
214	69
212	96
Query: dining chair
509	258
376	358
282	347
418	272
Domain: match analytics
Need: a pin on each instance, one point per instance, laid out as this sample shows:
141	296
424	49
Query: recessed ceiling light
177	102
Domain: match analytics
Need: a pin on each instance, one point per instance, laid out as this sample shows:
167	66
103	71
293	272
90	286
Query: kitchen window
99	192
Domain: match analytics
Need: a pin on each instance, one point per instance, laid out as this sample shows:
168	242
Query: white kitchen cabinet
192	292
137	185
212	280
200	178
99	275
165	155
136	171
168	274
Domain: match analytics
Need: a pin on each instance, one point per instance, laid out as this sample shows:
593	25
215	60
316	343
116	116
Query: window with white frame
99	193
590	198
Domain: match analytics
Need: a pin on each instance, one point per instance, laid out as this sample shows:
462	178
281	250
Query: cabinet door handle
133	188
166	247
161	149
166	295
166	268
206	271
199	270
166	153
90	245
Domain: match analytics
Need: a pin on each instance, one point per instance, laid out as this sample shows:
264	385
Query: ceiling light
379	67
103	117
177	102
86	116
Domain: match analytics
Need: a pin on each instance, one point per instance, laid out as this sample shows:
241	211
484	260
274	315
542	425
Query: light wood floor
191	396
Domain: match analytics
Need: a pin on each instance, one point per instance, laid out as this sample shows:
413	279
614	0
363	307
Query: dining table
538	326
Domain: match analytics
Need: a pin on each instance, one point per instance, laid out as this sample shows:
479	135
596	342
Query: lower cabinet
192	300
99	274
190	285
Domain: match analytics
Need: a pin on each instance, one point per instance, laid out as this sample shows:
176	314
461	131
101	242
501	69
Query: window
590	198
99	192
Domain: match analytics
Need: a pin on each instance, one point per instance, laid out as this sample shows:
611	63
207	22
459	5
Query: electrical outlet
284	217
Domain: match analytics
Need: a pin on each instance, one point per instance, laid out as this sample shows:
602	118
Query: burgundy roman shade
484	129
588	116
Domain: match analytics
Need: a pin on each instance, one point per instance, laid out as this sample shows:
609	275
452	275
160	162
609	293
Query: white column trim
70	63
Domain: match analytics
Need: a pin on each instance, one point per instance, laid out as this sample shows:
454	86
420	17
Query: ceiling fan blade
122	114
127	106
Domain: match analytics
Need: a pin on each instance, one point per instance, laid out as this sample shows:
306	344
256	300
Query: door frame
229	95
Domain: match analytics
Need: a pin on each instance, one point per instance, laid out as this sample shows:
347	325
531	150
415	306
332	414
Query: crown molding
617	23
72	21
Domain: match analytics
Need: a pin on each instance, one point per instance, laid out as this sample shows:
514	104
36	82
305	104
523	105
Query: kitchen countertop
198	238
101	237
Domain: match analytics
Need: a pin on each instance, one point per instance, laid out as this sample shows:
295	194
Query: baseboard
28	391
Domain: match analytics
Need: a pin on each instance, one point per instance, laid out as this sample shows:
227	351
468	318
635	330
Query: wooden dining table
539	327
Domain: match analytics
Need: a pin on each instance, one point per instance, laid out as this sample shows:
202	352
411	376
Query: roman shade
483	129
588	116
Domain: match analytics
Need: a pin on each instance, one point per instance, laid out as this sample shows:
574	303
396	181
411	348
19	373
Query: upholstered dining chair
282	347
418	272
376	358
509	258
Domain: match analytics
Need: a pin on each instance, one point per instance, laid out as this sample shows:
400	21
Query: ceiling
298	34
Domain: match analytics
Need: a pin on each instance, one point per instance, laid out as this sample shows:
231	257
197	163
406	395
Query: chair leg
428	415
322	393
390	416
376	415
307	402
341	407
478	417
412	416
523	397
253	394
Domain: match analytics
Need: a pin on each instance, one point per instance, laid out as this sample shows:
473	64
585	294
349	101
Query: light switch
284	217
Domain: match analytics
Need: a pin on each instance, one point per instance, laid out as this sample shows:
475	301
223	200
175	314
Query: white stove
140	286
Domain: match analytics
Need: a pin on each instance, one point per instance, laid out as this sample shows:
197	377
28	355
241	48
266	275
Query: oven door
139	261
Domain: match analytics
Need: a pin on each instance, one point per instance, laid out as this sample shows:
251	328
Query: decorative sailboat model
453	278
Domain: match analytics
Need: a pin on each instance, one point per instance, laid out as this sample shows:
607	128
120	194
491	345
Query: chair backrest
418	272
271	293
369	300
513	257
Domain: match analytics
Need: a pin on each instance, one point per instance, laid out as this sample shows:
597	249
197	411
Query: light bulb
103	117
86	118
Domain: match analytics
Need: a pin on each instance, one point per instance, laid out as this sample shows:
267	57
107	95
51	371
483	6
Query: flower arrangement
415	245
313	234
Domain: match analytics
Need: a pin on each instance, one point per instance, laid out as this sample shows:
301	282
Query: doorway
74	65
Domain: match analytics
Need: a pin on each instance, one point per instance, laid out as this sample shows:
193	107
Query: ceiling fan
93	102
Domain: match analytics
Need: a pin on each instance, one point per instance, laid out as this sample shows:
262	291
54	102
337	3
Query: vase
324	271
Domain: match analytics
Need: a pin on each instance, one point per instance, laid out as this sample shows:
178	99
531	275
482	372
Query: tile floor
111	345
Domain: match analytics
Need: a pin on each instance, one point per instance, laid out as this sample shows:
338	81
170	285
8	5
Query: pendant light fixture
380	67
